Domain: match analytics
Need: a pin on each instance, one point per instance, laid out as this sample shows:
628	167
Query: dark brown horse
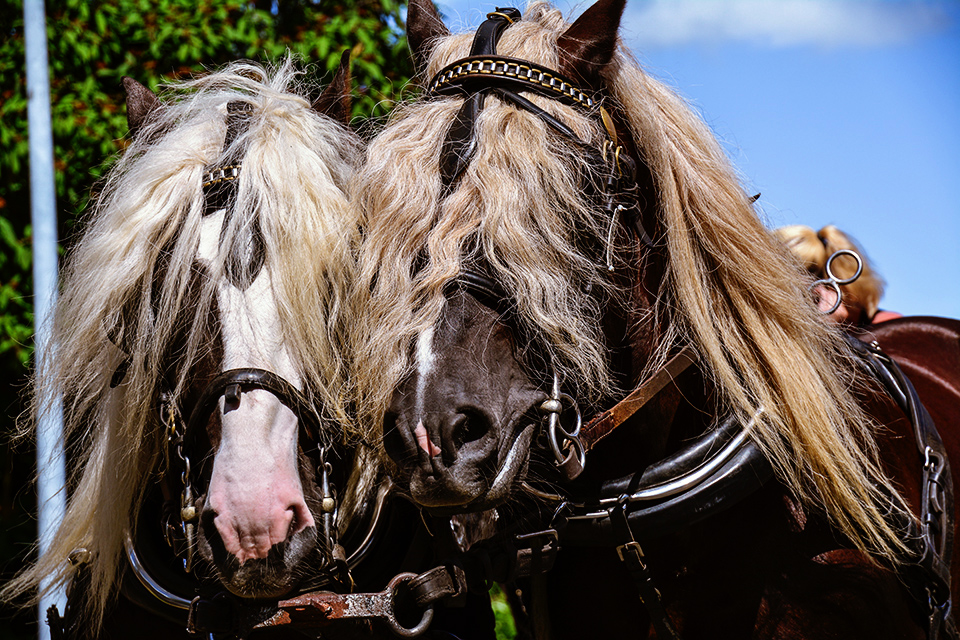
551	228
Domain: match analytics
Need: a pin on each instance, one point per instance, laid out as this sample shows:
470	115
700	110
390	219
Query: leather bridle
484	72
185	434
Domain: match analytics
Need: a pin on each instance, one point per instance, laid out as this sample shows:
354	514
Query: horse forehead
469	327
249	316
468	338
209	245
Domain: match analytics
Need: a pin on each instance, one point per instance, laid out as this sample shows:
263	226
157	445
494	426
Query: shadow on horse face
460	426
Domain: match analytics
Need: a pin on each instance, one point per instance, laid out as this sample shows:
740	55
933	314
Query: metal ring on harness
395	626
833	282
568	452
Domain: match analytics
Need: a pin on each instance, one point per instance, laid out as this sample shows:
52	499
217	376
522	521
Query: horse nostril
469	426
393	441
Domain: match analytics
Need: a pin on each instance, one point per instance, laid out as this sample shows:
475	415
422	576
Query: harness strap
631	554
602	425
457	150
928	579
220	183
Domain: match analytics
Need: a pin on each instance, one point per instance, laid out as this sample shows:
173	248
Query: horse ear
424	26
587	47
335	99
141	102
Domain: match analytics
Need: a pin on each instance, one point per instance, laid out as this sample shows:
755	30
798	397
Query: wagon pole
51	474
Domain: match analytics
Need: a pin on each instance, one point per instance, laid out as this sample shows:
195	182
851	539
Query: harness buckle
631	553
536	552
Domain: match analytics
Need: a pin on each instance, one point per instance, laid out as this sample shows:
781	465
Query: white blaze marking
425	361
252	335
255	484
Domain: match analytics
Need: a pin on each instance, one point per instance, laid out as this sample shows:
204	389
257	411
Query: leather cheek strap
457	146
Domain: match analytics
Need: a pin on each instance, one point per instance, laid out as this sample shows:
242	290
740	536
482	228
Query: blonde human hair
296	165
814	248
729	289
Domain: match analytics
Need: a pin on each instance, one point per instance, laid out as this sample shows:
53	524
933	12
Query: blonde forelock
520	206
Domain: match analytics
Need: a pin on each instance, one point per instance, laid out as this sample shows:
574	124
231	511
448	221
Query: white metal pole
51	474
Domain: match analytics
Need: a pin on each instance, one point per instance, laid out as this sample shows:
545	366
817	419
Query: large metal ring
395	626
837	254
833	282
561	443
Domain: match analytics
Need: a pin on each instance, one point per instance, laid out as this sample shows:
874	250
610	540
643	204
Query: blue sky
842	112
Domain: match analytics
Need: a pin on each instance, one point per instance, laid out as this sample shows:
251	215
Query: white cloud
782	23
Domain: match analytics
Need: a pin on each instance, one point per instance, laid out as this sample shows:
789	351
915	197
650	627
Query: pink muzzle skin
255	487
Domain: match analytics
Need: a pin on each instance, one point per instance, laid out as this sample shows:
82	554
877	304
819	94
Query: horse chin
473	483
272	577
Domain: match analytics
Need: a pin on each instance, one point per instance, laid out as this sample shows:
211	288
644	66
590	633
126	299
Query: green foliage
505	628
92	45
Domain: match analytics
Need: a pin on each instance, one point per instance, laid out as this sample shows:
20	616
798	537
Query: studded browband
220	183
483	72
221	174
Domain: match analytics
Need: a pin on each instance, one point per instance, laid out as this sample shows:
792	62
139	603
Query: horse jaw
460	426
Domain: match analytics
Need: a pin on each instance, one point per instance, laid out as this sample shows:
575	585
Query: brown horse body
767	567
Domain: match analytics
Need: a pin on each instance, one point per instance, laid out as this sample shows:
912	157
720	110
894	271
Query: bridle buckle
631	552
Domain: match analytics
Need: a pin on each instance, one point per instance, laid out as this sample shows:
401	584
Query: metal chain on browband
833	282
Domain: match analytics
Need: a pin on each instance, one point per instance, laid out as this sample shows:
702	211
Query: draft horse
551	233
198	352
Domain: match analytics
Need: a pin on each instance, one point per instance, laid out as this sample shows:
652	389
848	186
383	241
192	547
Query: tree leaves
92	45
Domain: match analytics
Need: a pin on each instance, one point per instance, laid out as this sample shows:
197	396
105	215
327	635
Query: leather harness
715	471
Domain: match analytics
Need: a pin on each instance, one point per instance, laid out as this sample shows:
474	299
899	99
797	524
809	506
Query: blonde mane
296	165
730	290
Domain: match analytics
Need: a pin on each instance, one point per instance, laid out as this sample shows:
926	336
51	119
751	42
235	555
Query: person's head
814	248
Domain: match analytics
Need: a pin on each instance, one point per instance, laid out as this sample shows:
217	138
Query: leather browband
482	72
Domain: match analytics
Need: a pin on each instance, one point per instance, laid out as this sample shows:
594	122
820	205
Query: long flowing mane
729	290
296	165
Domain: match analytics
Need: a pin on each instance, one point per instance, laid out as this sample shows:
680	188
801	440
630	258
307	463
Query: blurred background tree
92	45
